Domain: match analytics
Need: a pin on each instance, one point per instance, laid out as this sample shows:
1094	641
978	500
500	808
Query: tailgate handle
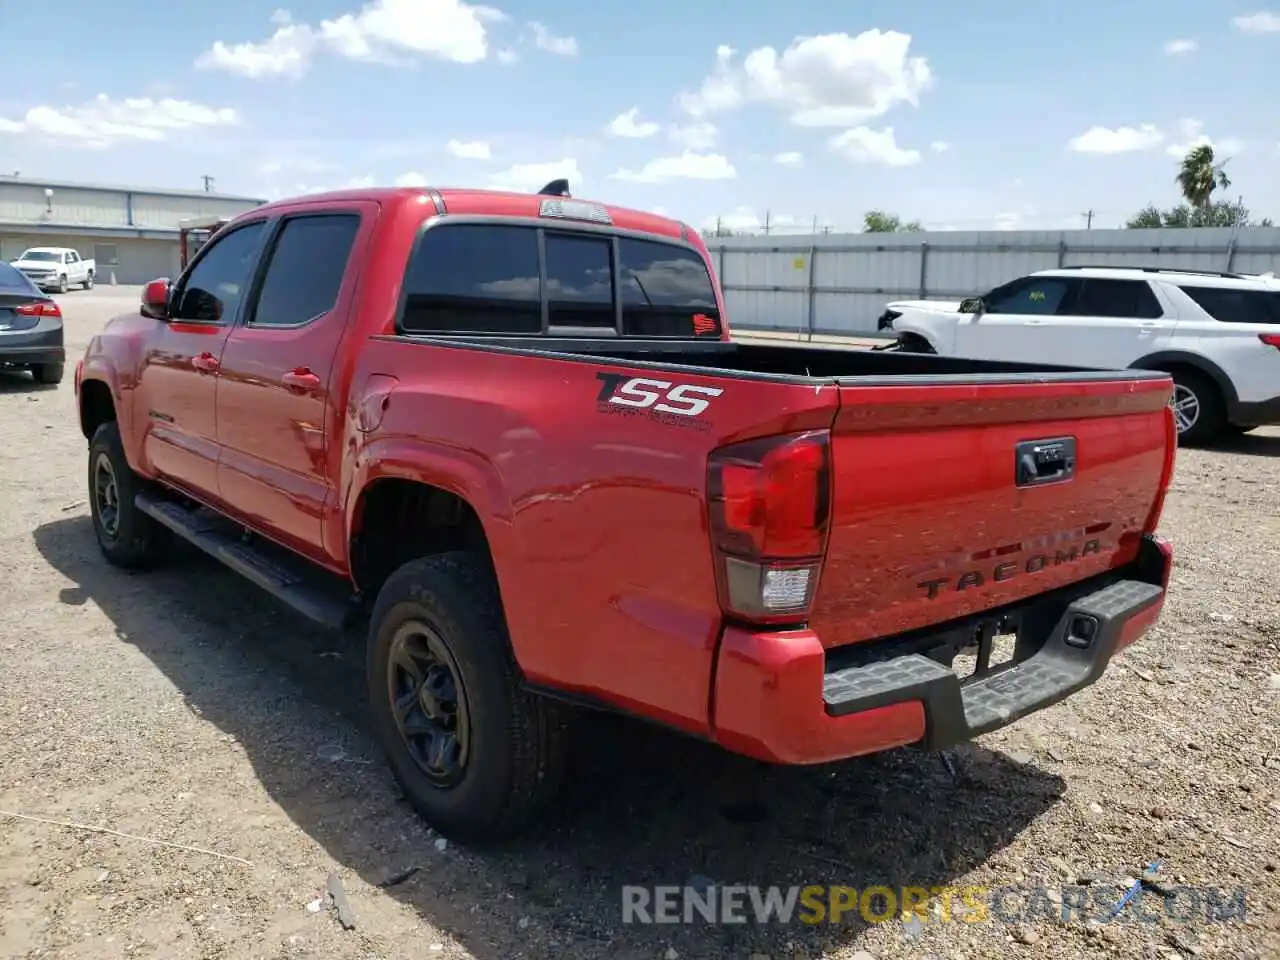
1044	461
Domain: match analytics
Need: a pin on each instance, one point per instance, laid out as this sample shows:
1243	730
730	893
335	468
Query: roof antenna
556	188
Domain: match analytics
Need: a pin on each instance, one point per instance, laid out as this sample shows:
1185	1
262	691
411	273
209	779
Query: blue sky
970	116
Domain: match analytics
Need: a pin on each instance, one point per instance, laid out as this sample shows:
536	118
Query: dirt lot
184	706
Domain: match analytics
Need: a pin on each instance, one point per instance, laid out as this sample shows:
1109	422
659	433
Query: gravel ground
184	706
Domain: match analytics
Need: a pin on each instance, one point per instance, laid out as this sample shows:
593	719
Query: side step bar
314	593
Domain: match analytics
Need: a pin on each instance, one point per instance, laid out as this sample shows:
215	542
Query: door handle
301	380
1034	323
205	362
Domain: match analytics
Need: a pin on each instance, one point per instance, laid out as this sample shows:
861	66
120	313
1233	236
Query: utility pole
766	223
1088	219
208	183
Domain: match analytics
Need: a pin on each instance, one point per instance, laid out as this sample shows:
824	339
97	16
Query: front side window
213	289
1035	296
474	278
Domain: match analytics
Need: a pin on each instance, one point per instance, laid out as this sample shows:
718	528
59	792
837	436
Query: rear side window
579	281
306	269
1228	305
474	278
1116	298
666	291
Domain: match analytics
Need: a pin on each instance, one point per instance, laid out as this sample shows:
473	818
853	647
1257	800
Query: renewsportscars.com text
965	904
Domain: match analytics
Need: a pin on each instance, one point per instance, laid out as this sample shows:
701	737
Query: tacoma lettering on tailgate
1009	569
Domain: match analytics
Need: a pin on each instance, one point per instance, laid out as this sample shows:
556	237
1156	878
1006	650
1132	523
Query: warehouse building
132	232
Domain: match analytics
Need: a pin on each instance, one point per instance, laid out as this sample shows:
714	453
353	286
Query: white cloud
791	158
412	179
469	149
687	166
1192	133
1119	140
1264	21
528	177
103	121
381	31
304	189
940	146
626	125
823	81
699	135
863	145
544	39
508	56
1175	48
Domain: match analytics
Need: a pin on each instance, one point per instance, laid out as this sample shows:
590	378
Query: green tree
877	221
1198	176
1216	214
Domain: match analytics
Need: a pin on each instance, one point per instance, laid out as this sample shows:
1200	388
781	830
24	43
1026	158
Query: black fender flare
1167	358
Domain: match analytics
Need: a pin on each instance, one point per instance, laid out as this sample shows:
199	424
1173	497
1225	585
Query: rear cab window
528	279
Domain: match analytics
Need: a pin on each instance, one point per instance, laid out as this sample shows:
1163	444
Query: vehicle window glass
666	291
1037	295
1230	305
579	281
212	291
12	281
474	278
1116	298
306	269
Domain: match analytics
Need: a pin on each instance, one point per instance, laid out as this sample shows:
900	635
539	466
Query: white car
1217	334
56	268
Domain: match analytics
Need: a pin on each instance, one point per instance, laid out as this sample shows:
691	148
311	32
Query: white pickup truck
56	268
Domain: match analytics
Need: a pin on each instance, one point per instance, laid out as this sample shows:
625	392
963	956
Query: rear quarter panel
594	511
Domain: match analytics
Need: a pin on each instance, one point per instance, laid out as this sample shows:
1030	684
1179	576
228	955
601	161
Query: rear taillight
41	308
1270	339
770	510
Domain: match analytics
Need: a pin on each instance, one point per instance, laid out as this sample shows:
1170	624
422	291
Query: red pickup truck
512	434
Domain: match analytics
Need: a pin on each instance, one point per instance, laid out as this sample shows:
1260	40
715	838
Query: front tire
63	286
1198	410
908	343
126	536
477	756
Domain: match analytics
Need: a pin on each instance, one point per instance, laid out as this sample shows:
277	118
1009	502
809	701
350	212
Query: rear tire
1199	411
48	373
482	757
126	536
88	281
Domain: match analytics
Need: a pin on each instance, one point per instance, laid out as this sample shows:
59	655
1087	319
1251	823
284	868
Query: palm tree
1199	176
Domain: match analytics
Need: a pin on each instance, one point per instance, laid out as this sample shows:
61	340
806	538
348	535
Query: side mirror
155	299
972	305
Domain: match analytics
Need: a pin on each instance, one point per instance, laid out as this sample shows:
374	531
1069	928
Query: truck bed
784	361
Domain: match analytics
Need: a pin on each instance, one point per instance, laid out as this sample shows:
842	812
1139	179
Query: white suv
1217	334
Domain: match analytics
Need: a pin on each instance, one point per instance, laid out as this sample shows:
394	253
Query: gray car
31	336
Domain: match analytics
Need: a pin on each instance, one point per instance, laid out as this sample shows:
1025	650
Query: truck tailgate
953	498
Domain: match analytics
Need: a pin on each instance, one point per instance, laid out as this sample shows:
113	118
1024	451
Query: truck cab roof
499	203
